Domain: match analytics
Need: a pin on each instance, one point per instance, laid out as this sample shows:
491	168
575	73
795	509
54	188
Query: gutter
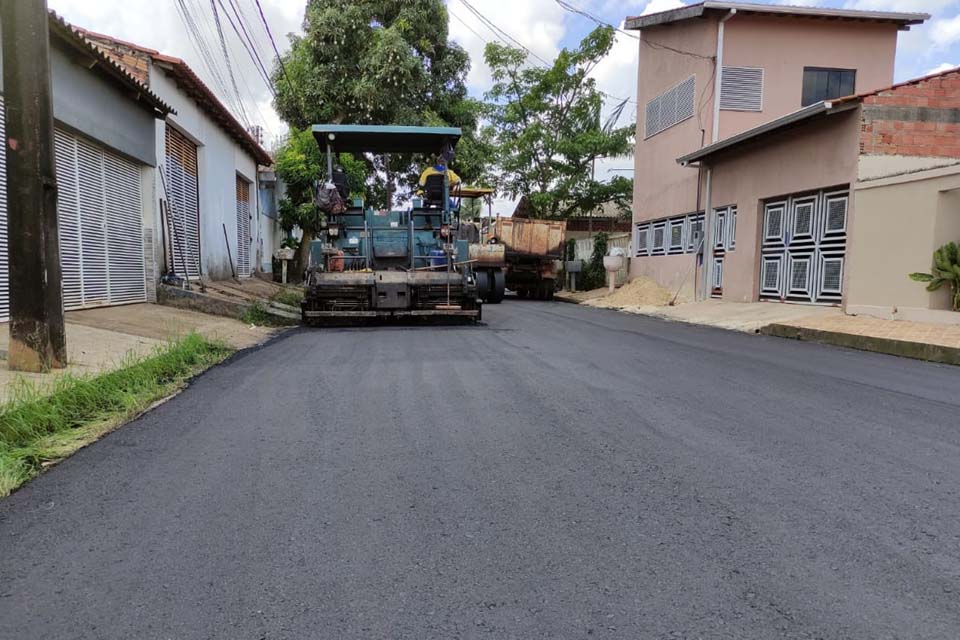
718	74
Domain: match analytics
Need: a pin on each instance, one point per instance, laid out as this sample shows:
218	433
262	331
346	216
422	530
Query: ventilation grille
771	275
741	89
836	214
671	107
803	219
832	275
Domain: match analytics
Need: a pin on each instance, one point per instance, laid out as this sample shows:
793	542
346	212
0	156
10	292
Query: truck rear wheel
498	286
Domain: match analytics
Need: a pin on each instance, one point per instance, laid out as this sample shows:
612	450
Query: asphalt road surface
561	472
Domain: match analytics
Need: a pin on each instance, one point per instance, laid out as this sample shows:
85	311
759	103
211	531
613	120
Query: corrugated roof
199	92
836	105
105	64
904	20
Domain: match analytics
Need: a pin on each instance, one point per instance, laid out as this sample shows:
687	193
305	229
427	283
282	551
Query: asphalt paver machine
389	264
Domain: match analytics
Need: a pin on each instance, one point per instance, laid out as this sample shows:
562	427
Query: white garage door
100	223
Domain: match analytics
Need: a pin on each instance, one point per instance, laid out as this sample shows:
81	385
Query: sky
542	25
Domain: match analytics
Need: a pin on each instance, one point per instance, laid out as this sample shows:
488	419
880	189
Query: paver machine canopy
391	263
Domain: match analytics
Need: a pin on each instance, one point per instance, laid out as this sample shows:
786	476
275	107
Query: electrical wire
497	31
226	59
200	46
251	50
283	67
586	14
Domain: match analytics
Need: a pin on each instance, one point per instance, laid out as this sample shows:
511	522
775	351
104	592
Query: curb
889	346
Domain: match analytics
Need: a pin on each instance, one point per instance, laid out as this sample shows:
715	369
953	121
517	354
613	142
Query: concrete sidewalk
736	316
102	339
827	325
919	340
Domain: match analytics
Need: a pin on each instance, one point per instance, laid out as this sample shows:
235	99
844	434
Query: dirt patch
639	292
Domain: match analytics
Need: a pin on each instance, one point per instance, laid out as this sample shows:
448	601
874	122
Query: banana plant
946	270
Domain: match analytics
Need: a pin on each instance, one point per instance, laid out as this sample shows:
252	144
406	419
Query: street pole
37	338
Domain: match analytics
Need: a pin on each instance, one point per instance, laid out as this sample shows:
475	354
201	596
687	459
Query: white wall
220	159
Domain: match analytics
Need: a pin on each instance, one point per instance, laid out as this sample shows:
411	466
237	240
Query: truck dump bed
541	238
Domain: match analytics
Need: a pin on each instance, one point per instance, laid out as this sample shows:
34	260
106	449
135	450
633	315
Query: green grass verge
292	297
42	424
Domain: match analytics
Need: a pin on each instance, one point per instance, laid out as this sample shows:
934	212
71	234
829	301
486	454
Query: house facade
851	195
712	71
106	158
210	219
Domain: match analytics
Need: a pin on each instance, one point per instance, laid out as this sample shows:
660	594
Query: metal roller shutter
68	219
243	227
184	203
4	269
99	221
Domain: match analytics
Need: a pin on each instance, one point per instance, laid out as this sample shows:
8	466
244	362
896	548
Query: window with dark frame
821	84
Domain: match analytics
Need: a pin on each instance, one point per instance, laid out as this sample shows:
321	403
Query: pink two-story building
715	70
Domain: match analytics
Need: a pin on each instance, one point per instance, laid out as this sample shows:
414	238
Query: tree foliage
299	163
546	130
385	62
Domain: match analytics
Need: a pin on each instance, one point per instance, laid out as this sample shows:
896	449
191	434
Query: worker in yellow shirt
438	168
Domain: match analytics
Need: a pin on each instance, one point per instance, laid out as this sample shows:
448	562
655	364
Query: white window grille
741	89
643	240
676	235
659	238
671	107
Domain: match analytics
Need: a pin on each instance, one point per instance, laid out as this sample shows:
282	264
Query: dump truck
487	257
370	264
531	250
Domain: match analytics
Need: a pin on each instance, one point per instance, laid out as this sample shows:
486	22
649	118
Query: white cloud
656	6
940	68
538	24
946	32
907	6
144	23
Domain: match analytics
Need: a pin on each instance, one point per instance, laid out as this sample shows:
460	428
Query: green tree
945	271
546	129
380	62
299	163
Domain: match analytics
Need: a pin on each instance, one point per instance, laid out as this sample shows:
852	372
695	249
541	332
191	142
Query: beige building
712	72
840	201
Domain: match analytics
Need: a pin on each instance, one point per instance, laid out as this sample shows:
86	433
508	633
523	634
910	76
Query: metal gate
183	202
804	247
243	227
100	225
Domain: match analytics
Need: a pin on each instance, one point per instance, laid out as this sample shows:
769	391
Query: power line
586	14
199	43
283	67
497	31
251	50
226	59
467	25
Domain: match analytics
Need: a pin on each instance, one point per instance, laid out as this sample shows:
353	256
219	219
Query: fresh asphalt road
560	472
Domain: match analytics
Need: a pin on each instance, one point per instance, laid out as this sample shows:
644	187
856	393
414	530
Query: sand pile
639	292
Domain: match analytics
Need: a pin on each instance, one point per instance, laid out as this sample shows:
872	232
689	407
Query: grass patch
292	297
42	424
257	314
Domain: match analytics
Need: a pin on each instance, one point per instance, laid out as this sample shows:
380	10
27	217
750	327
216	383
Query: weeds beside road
41	425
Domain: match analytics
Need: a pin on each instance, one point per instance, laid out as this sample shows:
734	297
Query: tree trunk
303	256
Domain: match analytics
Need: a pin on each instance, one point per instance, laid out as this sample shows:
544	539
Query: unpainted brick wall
918	119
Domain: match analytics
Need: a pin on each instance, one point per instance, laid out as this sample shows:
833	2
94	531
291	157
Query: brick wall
915	119
136	62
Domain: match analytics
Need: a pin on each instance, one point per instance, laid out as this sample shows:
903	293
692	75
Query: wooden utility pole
37	339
